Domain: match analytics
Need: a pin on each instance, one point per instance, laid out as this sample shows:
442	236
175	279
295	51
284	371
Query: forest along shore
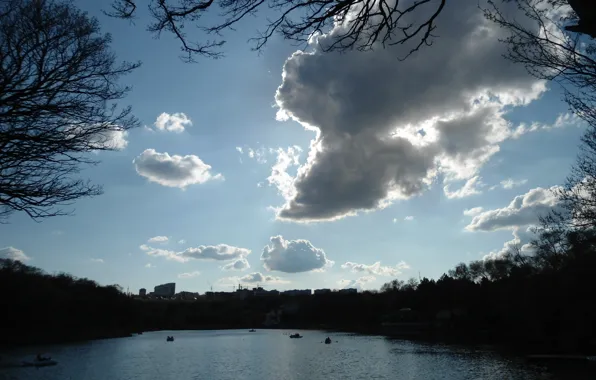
549	312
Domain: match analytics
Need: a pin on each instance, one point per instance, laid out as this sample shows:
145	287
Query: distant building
187	295
165	290
306	292
348	291
322	291
142	292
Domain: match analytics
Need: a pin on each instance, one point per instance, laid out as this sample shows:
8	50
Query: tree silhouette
58	88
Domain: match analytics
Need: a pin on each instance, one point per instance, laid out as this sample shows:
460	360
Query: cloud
472	187
215	252
409	218
359	284
175	122
279	177
252	278
181	241
259	154
219	252
189	275
99	261
385	132
522	238
510	183
293	256
564	120
473	211
523	210
109	137
158	239
376	268
13	253
173	171
239	264
149	265
112	139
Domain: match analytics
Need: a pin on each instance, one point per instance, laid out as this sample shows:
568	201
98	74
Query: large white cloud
220	252
13	253
523	210
175	122
293	256
386	129
376	268
173	171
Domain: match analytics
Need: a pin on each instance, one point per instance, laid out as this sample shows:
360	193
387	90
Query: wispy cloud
189	274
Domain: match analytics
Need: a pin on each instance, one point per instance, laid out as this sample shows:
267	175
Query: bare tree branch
545	47
364	23
58	88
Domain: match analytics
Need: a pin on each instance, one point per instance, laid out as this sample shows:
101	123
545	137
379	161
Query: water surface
268	355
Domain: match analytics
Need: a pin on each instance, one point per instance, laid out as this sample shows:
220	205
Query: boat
39	363
328	340
252	330
295	336
170	339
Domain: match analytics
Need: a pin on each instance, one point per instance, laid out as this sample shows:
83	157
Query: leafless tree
365	22
58	88
555	41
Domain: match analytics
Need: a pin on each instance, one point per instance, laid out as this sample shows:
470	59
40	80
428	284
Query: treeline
37	307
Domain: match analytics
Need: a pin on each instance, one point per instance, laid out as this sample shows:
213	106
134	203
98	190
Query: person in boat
328	340
42	358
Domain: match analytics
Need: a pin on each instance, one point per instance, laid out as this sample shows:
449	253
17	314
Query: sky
298	169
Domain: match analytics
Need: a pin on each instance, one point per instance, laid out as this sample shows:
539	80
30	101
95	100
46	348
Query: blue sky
368	196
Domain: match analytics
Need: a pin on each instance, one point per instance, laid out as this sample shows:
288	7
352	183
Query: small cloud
252	278
100	261
57	232
189	275
181	241
356	284
473	211
376	268
158	239
471	187
293	256
175	122
523	210
240	265
149	265
259	154
394	220
511	183
409	218
173	171
13	253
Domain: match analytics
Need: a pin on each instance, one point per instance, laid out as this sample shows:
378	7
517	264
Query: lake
267	355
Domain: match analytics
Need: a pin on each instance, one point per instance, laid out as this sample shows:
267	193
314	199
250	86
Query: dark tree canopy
58	88
366	22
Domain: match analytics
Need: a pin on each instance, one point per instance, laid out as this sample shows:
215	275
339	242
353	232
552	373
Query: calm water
267	355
